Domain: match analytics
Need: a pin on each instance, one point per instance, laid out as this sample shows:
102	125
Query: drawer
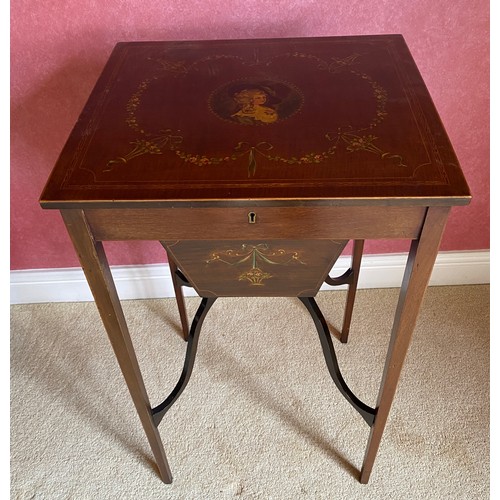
253	222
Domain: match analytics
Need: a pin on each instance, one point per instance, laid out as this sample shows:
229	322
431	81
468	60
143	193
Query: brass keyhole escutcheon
252	217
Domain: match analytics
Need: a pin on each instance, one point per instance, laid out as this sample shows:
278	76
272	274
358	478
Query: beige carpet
261	417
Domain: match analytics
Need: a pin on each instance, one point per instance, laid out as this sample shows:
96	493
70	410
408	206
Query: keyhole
252	216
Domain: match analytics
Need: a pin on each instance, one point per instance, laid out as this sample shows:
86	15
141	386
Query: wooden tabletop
333	120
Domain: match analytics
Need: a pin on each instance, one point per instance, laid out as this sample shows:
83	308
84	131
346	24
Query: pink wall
58	49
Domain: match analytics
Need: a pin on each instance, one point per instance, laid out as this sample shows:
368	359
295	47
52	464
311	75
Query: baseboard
154	281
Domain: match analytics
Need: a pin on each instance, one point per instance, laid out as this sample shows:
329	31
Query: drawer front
316	222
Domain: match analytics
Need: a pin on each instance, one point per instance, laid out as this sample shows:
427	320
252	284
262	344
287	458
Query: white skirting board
154	280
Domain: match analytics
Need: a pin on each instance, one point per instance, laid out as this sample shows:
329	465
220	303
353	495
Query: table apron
294	222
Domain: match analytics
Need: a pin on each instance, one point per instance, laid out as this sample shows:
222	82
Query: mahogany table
254	162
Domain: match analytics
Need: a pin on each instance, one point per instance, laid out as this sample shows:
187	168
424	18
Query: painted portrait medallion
256	102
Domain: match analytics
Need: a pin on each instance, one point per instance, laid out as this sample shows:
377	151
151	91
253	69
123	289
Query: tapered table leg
418	270
179	295
357	254
96	268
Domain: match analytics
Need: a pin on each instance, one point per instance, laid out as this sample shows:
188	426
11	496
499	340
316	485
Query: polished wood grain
95	266
357	255
421	258
351	120
256	268
282	149
179	295
271	222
